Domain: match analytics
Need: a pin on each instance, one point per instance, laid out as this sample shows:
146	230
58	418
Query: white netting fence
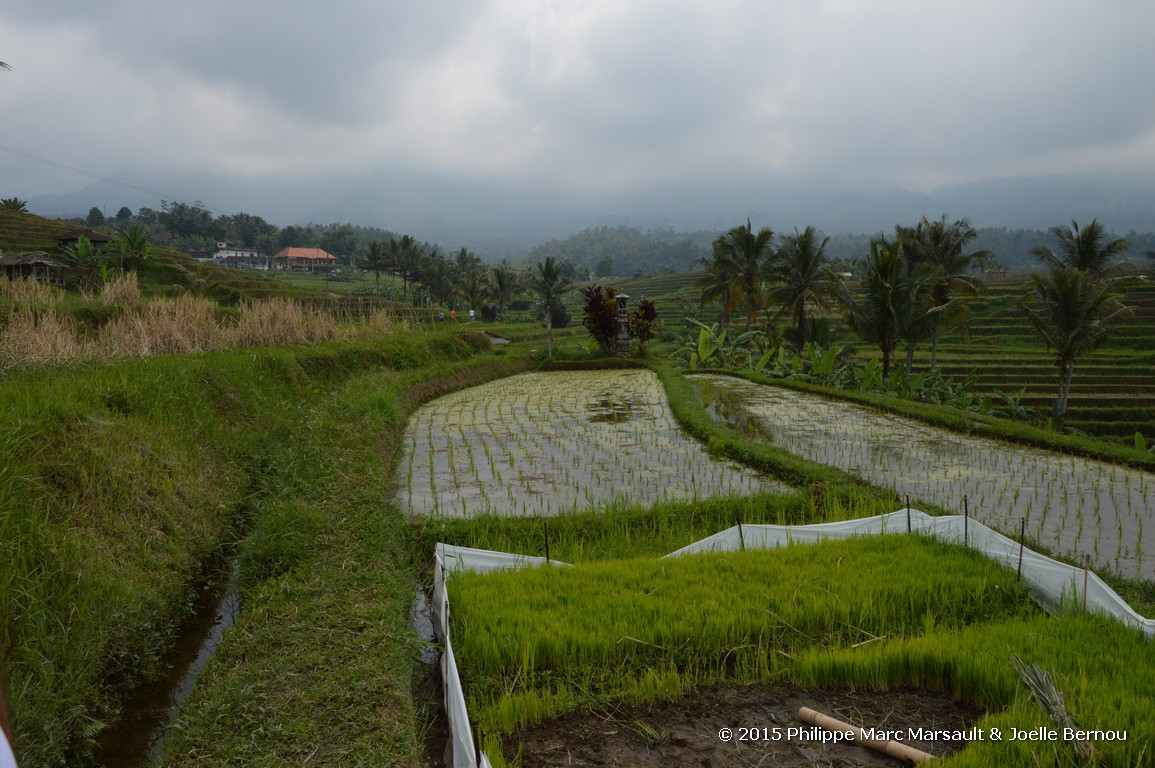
1049	581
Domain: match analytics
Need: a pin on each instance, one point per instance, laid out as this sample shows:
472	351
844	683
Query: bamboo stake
966	519
890	748
1022	536
1086	576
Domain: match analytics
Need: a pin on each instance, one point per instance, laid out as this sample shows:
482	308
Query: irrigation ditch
136	741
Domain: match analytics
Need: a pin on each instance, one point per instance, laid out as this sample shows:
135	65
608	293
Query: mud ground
685	732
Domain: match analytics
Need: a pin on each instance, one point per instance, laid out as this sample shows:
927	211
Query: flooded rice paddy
1071	505
547	443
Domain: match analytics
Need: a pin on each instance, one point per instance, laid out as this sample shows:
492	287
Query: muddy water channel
547	443
1071	505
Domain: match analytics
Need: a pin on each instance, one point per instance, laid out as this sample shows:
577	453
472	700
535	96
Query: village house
35	265
233	255
304	259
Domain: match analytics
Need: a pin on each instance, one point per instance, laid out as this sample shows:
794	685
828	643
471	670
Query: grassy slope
318	667
168	271
118	482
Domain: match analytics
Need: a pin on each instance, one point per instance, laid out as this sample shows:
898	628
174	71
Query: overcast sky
581	98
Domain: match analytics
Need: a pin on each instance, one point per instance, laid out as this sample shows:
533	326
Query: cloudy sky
572	100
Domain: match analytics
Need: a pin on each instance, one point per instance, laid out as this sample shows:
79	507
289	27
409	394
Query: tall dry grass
36	329
122	289
281	321
184	324
33	337
28	292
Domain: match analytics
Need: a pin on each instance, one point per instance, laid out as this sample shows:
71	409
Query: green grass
121	481
318	666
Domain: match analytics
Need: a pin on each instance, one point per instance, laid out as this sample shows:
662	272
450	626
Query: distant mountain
504	221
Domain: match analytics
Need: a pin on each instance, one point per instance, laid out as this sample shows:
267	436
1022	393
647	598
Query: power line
99	177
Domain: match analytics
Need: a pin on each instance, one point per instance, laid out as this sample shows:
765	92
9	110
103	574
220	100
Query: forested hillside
620	251
623	251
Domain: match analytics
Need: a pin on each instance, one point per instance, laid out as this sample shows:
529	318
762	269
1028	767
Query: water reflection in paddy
1071	505
545	443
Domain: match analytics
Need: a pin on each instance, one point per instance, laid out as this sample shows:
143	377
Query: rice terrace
679	519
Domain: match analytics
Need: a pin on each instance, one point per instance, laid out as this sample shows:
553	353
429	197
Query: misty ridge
668	230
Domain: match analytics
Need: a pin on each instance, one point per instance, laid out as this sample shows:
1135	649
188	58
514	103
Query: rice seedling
565	440
940	467
535	643
1103	671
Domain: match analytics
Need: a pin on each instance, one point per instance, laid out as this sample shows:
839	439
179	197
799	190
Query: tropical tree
894	304
473	287
376	260
799	276
547	282
87	260
436	274
1073	313
943	244
409	261
133	247
643	323
1087	249
746	257
14	204
717	286
464	262
503	284
600	315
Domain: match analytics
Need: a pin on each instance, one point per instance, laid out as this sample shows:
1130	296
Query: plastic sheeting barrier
448	559
1049	581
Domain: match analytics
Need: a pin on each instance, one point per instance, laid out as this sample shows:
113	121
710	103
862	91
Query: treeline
1010	249
191	227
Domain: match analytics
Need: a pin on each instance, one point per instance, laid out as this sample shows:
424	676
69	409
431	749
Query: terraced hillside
1113	394
168	270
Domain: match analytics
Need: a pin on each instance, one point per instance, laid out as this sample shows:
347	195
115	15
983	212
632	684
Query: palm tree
747	256
1085	249
895	301
549	285
1073	313
502	285
133	245
473	286
436	274
376	261
409	261
717	285
800	276
944	245
87	260
14	204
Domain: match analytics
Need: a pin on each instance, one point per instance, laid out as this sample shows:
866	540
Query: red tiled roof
305	253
